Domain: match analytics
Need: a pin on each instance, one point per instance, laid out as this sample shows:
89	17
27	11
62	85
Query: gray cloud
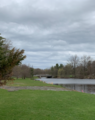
49	31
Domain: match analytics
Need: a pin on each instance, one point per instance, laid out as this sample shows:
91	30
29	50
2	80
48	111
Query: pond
81	85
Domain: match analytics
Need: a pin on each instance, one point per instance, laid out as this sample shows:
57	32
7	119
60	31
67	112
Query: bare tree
17	71
74	60
93	68
25	71
84	61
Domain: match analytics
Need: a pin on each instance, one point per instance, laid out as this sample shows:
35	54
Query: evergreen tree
8	59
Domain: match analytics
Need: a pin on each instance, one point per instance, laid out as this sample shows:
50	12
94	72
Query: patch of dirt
11	88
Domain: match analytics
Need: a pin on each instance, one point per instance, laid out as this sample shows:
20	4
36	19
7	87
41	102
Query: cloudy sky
50	31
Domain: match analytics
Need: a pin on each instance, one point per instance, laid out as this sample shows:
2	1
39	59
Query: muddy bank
34	88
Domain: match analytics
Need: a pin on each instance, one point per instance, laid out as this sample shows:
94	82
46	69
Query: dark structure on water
44	75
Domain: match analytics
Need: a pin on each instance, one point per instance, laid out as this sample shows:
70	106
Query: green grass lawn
29	82
46	105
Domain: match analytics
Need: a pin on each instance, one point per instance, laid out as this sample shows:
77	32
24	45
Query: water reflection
81	85
81	88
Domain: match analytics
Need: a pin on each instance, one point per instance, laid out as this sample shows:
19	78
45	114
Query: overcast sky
50	31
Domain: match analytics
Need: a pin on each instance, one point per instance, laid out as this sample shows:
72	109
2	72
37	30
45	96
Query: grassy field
29	82
45	105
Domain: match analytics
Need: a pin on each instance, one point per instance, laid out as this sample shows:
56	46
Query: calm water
68	81
82	85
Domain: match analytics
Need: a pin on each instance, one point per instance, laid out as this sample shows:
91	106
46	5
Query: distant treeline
76	67
24	71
